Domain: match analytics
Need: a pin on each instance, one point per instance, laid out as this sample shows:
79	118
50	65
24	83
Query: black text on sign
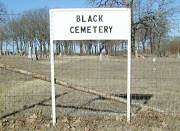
90	29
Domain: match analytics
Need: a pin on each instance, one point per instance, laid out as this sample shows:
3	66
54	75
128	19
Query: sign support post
53	85
129	82
53	92
129	74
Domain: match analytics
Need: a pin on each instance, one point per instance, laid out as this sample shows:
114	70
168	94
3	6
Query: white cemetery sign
90	24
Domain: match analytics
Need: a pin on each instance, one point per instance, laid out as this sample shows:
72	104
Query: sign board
90	24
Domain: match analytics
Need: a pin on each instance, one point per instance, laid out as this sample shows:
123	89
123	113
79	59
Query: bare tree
3	13
149	18
3	19
31	30
2	38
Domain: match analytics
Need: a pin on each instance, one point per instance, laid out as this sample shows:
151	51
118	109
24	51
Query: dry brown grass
26	96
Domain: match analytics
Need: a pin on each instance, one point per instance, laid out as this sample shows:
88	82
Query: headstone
100	57
136	53
29	53
178	56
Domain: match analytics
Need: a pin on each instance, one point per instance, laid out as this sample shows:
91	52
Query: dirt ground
25	102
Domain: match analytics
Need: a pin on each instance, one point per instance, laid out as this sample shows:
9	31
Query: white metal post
53	85
52	76
129	76
129	83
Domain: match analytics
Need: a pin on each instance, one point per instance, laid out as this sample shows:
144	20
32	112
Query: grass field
157	84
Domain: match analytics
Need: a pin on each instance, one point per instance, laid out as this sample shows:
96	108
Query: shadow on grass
83	107
26	107
141	97
138	97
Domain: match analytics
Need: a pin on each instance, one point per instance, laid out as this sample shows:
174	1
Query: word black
89	18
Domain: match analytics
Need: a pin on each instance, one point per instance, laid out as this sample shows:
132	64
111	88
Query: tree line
29	32
150	21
